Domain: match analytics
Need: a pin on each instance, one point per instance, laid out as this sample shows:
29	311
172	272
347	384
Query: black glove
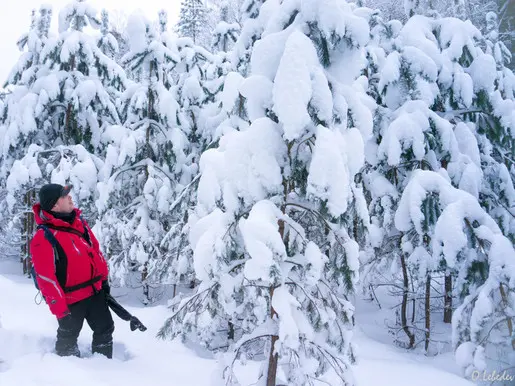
136	324
106	287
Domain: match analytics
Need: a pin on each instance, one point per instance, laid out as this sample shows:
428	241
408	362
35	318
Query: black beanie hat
50	193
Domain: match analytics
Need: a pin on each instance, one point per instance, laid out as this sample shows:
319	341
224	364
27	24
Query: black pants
96	312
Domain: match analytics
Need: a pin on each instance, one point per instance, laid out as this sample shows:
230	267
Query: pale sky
15	20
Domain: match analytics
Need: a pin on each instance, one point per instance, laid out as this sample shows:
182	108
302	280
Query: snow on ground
28	332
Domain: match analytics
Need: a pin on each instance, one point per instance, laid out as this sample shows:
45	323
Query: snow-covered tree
462	234
143	158
226	32
24	72
390	9
194	81
438	112
15	228
415	138
473	10
486	104
255	14
107	42
118	21
69	100
193	22
66	96
419	7
407	136
505	15
229	10
503	57
61	95
62	164
272	234
495	129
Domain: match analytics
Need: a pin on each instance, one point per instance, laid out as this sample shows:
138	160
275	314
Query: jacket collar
43	217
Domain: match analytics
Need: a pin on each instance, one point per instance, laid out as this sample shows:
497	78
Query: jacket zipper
91	264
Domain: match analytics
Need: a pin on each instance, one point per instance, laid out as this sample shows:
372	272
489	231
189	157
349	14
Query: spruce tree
194	81
255	15
226	33
24	72
70	100
67	96
273	247
107	42
483	108
460	159
63	97
22	77
193	22
142	161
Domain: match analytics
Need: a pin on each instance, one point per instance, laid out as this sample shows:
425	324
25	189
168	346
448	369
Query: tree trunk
67	120
428	311
25	235
27	231
146	290
241	106
447	310
404	305
413	303
150	114
273	358
506	23
32	229
508	319
67	135
230	333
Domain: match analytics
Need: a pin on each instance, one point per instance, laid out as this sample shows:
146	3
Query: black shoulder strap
48	235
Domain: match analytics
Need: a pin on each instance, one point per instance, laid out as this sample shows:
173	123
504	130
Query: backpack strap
48	235
84	235
87	283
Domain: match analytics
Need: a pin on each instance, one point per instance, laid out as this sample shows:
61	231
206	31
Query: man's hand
136	324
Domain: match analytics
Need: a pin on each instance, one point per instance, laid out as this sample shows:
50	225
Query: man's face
63	205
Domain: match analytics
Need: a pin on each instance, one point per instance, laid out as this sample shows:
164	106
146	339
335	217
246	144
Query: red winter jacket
84	262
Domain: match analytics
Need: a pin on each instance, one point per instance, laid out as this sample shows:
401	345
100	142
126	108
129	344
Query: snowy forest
262	164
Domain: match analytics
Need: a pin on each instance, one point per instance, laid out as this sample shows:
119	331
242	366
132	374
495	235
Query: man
84	269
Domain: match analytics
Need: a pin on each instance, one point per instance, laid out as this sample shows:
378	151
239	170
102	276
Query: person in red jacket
83	296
